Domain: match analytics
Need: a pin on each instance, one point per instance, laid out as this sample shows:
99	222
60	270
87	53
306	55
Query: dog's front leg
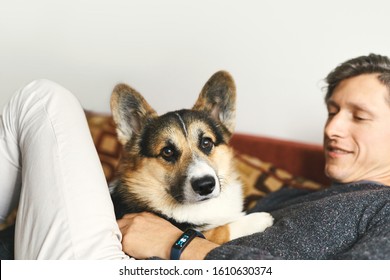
246	225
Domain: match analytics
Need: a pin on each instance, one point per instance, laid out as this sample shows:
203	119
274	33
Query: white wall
278	51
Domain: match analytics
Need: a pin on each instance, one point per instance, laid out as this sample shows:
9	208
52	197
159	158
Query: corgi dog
179	165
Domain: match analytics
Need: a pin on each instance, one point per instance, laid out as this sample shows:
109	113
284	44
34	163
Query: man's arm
374	243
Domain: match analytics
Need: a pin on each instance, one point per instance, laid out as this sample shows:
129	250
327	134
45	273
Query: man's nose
335	126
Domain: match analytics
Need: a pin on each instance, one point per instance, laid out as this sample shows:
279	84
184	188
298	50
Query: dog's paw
246	225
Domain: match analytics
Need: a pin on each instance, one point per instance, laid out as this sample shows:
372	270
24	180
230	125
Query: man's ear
218	98
130	112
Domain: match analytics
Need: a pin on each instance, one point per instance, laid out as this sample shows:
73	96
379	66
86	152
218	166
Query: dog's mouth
197	199
192	196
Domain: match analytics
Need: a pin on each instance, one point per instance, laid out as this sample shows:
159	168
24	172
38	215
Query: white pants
49	166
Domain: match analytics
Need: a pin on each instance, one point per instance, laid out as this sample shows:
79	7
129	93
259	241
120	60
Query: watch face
182	240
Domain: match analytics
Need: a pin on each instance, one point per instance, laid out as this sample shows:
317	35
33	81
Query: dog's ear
218	98
130	111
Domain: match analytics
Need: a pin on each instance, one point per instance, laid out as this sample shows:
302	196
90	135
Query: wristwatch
182	242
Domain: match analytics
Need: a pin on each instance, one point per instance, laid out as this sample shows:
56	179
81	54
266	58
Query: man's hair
373	63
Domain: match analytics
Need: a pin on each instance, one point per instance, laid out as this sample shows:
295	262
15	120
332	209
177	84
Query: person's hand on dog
146	235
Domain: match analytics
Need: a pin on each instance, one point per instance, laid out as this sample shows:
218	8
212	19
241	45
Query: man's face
357	132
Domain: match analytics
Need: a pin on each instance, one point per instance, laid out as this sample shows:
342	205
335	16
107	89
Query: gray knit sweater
350	221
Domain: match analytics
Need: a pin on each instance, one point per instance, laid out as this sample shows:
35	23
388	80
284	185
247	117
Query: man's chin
335	174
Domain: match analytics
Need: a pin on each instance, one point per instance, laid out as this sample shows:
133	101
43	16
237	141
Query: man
349	220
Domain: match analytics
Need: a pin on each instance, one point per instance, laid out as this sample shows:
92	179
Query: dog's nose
204	185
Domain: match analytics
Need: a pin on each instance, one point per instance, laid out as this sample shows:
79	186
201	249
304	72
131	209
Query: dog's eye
206	144
167	153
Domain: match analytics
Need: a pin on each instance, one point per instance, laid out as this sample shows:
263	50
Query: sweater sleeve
373	237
